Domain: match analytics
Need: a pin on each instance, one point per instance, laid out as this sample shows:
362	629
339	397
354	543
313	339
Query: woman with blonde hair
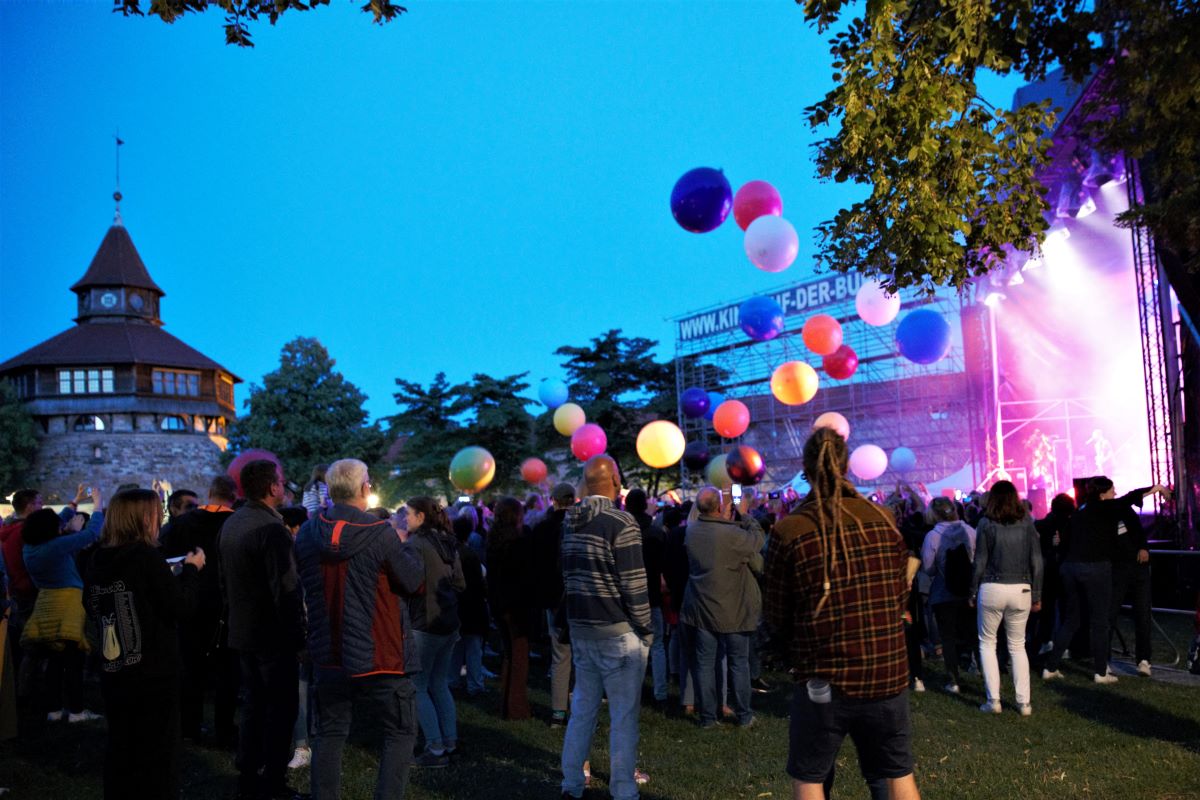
136	602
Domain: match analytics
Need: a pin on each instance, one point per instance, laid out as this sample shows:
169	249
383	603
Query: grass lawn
1138	739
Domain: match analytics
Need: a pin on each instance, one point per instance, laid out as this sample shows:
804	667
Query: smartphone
464	499
773	496
737	494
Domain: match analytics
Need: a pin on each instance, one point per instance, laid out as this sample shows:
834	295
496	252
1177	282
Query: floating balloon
874	305
731	419
841	363
716	475
701	199
552	392
234	470
822	334
868	462
695	455
755	199
771	243
714	399
695	402
923	336
472	469
533	470
834	420
588	440
568	418
794	383
745	465
660	444
903	459
761	318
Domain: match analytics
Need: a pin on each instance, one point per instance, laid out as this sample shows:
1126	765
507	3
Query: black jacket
199	529
675	565
1094	527
547	559
261	587
654	546
472	603
436	610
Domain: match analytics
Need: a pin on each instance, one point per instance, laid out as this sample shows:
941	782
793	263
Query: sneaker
558	719
1026	710
301	758
750	723
641	778
1051	675
1046	648
952	688
1106	679
1144	668
56	716
431	760
918	685
759	686
990	708
84	716
1066	654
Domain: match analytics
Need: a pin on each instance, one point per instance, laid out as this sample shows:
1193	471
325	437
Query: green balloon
472	469
715	473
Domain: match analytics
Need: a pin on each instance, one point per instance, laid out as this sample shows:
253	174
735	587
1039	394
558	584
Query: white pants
1009	602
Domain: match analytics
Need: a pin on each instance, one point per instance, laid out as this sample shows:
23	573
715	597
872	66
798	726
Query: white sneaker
952	688
990	708
1106	678
918	685
56	716
1066	653
1046	648
84	716
1026	710
1144	668
1051	675
301	758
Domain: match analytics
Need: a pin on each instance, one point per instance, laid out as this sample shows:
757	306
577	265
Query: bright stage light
992	299
1074	200
1105	171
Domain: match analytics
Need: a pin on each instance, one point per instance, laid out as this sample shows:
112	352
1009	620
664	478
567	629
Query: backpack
958	570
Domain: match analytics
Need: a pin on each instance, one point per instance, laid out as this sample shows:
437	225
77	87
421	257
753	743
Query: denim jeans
435	704
658	654
300	731
616	667
468	652
737	650
560	668
1086	585
391	700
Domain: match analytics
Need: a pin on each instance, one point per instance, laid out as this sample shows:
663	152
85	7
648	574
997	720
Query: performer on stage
1103	451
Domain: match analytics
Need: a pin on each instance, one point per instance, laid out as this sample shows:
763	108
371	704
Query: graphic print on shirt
121	631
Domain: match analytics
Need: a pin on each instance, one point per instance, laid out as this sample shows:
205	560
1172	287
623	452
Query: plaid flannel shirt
857	642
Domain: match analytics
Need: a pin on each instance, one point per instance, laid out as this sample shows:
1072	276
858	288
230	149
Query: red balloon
245	457
533	470
822	334
756	199
731	419
841	364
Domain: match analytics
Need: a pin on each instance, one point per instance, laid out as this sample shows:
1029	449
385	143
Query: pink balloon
841	363
588	440
756	199
234	470
868	462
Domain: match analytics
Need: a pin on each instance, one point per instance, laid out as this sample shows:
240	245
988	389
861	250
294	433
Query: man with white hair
355	571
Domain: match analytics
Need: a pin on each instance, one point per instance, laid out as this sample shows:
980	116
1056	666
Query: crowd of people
293	612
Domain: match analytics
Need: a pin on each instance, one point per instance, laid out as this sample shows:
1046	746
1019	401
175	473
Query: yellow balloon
794	382
716	474
568	418
660	444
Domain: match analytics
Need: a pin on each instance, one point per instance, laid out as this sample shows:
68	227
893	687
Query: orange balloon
822	334
794	382
533	470
731	419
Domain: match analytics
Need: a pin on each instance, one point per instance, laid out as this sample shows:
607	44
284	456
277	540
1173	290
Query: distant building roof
117	263
113	343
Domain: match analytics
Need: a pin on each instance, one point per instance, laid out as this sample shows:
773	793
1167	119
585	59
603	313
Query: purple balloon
701	199
695	402
761	318
695	455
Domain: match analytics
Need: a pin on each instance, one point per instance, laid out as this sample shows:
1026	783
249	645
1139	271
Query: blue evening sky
464	189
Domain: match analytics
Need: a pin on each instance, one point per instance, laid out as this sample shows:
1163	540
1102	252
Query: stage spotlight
992	299
1074	201
1104	171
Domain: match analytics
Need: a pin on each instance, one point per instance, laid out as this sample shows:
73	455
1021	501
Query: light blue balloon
714	399
553	393
903	459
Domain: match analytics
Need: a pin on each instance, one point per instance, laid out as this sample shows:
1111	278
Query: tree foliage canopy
18	435
306	413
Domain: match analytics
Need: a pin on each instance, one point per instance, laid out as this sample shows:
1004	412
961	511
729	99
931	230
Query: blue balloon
552	392
701	199
923	336
761	318
694	402
903	459
714	399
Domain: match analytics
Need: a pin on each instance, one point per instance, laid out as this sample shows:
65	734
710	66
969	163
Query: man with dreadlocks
837	578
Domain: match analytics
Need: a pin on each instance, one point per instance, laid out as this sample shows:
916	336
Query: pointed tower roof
117	263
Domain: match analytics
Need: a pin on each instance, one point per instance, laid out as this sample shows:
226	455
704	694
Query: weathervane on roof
117	193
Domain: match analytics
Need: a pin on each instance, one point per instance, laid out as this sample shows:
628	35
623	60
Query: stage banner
803	298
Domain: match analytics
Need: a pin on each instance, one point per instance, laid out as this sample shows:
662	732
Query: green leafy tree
426	434
18	432
499	423
952	178
306	413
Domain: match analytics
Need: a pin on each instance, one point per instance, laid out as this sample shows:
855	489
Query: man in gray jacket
722	603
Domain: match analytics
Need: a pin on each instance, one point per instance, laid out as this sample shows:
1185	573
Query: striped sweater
603	571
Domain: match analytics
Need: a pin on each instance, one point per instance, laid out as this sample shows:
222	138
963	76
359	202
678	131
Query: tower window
85	381
175	382
89	423
173	424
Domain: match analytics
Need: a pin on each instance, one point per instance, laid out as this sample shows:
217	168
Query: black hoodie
436	611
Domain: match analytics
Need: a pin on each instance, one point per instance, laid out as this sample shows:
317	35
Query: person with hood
138	604
608	610
355	572
948	595
435	627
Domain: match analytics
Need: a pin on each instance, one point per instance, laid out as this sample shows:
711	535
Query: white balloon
832	419
875	306
771	243
868	462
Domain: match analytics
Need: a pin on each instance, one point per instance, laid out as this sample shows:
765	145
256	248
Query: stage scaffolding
934	410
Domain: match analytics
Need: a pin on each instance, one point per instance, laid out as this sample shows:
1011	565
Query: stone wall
65	460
